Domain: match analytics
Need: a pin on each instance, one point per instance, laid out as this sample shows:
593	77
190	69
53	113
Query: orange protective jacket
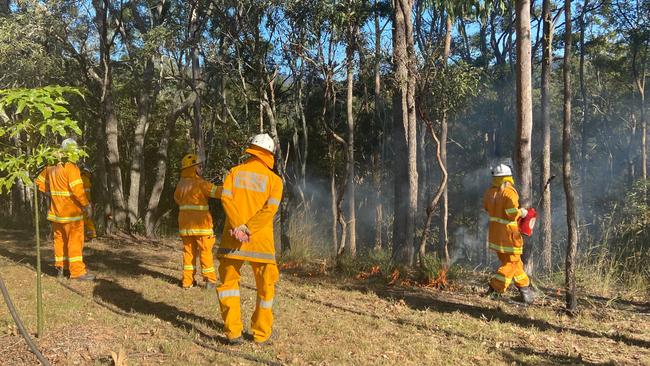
64	185
502	205
191	195
251	196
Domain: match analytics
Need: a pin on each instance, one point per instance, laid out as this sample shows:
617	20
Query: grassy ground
136	311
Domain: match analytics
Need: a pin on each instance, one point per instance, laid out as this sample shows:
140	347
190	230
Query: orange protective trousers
512	269
68	247
198	246
266	276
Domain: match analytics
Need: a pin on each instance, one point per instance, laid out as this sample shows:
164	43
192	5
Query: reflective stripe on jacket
502	205
67	197
251	195
191	195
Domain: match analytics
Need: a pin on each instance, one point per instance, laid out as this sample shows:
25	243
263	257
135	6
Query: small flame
440	282
374	271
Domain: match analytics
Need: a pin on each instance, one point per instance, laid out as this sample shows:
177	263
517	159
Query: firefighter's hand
241	233
523	212
244	229
88	210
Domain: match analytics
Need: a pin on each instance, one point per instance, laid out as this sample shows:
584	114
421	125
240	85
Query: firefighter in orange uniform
195	222
501	201
251	197
68	203
89	223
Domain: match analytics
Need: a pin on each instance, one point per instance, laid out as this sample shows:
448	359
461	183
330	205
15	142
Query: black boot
527	294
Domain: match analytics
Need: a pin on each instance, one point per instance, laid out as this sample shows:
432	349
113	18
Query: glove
88	210
523	212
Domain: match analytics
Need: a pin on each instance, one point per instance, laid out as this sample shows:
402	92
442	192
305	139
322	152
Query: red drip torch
527	224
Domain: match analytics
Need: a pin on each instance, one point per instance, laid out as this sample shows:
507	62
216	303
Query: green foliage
631	227
35	117
431	266
447	89
373	263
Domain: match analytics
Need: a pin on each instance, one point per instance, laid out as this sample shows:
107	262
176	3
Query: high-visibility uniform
67	198
195	224
502	205
89	223
251	196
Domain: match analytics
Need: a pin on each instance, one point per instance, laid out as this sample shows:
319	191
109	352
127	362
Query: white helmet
501	170
264	141
68	143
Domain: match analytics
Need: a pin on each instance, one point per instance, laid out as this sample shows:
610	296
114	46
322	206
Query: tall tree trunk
151	214
268	104
547	56
444	126
333	194
631	151
435	197
572	243
195	35
305	133
137	153
109	114
524	111
351	195
379	133
585	115
644	139
404	134
639	81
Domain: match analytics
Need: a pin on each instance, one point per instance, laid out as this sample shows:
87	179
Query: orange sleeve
41	181
211	190
228	202
177	195
76	185
265	216
511	205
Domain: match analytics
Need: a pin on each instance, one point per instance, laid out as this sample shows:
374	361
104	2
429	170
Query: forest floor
136	314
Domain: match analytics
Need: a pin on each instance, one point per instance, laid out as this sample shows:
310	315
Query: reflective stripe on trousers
195	232
506	249
245	253
228	293
265	304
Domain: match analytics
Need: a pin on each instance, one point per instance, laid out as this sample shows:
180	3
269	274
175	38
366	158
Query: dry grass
137	307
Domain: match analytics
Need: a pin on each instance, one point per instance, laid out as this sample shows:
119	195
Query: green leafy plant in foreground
30	122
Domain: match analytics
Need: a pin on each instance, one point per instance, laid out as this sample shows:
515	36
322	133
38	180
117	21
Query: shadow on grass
516	355
614	303
130	301
124	265
423	301
28	260
94	259
420	300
